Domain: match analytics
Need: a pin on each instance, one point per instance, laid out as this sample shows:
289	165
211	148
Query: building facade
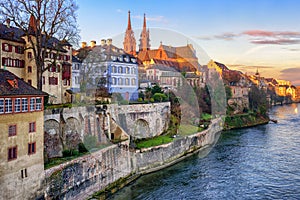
17	57
21	138
106	65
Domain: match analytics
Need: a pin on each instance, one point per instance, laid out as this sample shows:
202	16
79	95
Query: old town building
129	43
17	57
21	138
109	66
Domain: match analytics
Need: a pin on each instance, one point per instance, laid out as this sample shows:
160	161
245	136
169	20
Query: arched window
127	81
133	82
120	70
120	81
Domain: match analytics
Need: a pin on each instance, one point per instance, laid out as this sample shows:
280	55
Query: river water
261	162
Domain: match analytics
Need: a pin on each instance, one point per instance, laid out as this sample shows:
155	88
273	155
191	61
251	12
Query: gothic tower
144	38
129	39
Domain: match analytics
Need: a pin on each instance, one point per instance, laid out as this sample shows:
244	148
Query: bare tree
48	25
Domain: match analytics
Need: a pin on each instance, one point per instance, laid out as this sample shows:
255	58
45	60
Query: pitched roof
11	85
163	68
222	66
11	33
185	52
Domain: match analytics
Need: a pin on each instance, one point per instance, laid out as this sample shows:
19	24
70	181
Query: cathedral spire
144	37
129	43
144	25
129	21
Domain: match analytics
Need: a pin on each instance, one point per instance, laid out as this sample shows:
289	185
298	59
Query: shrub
151	100
81	148
140	100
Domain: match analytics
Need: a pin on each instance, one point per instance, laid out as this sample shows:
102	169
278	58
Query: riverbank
111	168
244	121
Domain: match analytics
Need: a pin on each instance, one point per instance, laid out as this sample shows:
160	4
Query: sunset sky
244	35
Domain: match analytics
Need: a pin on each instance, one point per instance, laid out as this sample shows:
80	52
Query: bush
151	100
81	148
140	100
70	152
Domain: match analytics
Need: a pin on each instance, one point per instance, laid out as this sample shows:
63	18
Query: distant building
164	76
107	65
129	43
21	138
76	67
18	58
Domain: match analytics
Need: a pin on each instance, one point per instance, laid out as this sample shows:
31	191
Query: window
31	148
32	127
29	81
29	55
32	104
29	69
38	105
53	80
19	49
120	81
24	104
17	105
8	105
12	130
6	47
1	106
127	81
133	81
12	153
44	80
24	173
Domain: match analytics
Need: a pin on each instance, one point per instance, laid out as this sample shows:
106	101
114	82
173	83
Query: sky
245	35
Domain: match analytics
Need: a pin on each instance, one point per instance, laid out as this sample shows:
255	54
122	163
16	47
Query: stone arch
141	129
52	142
73	134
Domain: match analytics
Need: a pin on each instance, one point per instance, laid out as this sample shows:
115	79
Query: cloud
291	49
119	10
276	41
291	74
227	36
260	37
273	37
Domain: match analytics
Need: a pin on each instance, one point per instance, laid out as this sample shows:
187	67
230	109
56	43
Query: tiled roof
166	63
11	85
185	52
170	51
75	59
163	68
15	34
222	66
101	53
11	33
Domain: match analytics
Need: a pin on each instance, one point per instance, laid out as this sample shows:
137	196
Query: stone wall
80	178
65	128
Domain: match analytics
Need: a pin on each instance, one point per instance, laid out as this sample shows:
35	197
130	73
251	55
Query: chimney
8	22
93	43
109	41
103	41
83	44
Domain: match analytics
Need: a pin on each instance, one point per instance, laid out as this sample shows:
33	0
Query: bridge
65	128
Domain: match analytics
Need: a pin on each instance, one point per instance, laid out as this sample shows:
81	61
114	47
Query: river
261	162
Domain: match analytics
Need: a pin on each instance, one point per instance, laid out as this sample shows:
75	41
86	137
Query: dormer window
120	58
126	59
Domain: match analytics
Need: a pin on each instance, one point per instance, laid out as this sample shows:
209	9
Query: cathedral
181	58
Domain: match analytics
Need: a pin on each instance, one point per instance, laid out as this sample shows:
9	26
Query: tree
47	25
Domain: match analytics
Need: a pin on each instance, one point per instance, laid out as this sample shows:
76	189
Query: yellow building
17	57
21	138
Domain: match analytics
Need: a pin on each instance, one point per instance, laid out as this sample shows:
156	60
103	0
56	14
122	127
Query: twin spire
129	39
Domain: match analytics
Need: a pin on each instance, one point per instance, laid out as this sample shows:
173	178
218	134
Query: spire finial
144	25
129	21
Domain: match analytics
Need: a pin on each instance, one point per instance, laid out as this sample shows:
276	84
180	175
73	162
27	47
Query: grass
188	129
155	141
57	161
206	116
